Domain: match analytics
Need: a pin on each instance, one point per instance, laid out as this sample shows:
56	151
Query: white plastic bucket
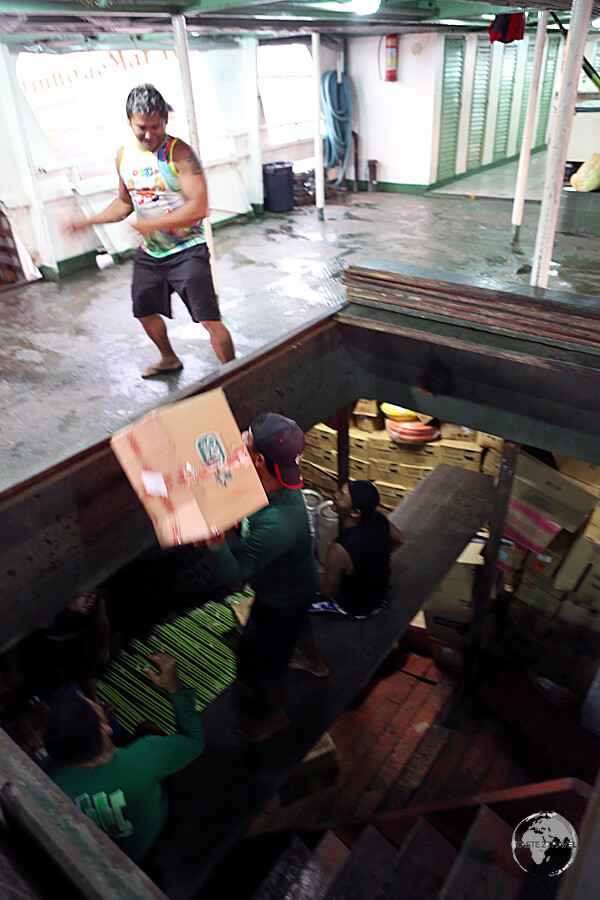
313	500
328	525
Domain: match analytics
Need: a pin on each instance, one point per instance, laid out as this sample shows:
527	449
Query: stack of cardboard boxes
396	469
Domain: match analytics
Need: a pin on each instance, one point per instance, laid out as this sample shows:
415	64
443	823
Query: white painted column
536	72
581	13
44	255
495	81
252	110
518	91
464	124
319	171
183	55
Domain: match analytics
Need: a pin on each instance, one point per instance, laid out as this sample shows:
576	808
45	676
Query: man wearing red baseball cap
275	555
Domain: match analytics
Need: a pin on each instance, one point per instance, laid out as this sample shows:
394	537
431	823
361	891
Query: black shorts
268	641
186	272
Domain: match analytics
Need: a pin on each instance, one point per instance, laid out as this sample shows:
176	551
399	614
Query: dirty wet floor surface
71	353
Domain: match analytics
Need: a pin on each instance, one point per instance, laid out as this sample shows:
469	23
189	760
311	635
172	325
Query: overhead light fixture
487	16
364	7
595	23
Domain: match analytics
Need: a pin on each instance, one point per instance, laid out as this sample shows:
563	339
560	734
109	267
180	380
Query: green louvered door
454	57
546	91
479	103
526	87
505	98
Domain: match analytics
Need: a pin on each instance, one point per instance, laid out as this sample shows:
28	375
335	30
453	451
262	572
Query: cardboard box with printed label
390	495
450	432
464	454
383	448
359	469
527	619
411	476
577	469
319	479
449	610
584	551
551	494
542	597
578	623
490	441
359	443
190	468
321	436
367	415
491	462
389	472
545	563
528	529
588	590
322	457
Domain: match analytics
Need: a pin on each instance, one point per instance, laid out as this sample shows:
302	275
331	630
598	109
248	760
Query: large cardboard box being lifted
190	468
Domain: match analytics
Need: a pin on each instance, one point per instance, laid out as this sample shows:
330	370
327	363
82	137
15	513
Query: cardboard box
449	657
359	469
527	619
577	469
384	449
490	441
319	479
449	610
367	415
322	457
510	557
578	623
388	472
450	432
588	590
391	495
321	436
539	596
584	551
551	494
527	528
359	443
491	462
411	476
464	454
190	468
546	562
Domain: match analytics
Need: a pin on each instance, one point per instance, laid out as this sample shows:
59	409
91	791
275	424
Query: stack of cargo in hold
547	598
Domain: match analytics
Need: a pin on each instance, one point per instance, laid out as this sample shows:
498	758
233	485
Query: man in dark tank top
357	574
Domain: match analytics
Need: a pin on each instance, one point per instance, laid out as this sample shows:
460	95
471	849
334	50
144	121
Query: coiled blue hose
336	100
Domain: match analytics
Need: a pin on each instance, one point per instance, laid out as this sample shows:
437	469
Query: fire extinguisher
391	57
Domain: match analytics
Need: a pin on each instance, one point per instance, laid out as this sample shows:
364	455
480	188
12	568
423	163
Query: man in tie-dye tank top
161	178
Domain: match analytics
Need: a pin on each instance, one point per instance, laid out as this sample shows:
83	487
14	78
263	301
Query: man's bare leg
307	657
156	330
220	340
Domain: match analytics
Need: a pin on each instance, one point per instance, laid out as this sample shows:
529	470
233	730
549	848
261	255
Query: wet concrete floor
71	354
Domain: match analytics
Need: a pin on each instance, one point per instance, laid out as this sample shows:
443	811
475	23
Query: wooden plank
421	866
485	868
365	869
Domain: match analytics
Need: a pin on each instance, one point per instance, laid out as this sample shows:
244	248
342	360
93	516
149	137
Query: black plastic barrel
278	181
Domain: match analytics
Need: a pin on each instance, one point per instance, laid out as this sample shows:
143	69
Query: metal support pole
183	55
485	581
252	110
557	153
340	420
521	185
319	170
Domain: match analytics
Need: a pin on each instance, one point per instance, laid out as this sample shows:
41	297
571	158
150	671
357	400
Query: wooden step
485	868
420	866
285	872
314	879
365	869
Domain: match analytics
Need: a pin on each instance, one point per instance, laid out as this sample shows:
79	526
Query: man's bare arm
119	209
338	564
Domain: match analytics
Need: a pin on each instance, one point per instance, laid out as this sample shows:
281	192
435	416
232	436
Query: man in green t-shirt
119	788
275	555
